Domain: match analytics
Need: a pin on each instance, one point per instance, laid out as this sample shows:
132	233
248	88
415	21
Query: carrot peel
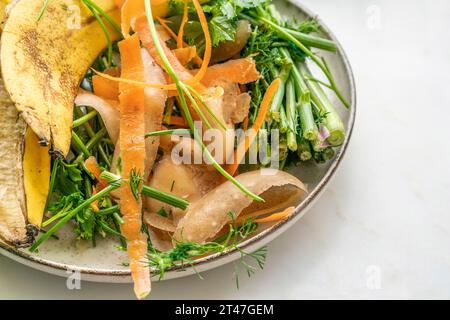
277	216
244	145
132	146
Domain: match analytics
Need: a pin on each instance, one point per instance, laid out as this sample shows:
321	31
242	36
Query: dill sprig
135	182
185	253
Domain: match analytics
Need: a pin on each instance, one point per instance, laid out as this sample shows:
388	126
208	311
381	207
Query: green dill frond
136	180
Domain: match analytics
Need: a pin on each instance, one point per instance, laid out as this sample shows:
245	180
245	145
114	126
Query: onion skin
206	217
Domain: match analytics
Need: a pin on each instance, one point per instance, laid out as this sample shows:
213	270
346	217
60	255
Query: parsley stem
308	125
57	216
165	197
110	230
107	211
199	98
118	218
91	134
283	124
168	132
78	144
71	214
84	119
96	138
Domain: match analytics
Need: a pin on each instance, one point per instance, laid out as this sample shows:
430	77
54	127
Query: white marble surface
382	229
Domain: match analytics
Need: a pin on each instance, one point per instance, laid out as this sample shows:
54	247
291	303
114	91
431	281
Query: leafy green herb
136	180
222	16
185	253
162	212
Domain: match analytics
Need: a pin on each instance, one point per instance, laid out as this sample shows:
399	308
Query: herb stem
304	149
332	120
78	144
107	211
71	214
84	119
168	132
291	115
149	191
51	184
96	138
104	28
313	57
103	13
165	197
313	41
182	89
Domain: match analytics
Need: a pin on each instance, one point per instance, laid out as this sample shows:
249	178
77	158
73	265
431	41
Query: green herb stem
275	105
110	230
168	132
71	214
84	119
51	184
304	149
91	134
165	197
149	191
79	144
96	138
291	115
105	15
104	28
332	120
285	34
108	211
313	41
182	90
283	125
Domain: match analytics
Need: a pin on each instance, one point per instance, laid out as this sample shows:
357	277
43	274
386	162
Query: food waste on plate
165	126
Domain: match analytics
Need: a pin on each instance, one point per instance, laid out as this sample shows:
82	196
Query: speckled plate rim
215	260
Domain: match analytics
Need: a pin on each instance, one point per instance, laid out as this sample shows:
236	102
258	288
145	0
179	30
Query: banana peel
24	176
36	172
43	63
13	219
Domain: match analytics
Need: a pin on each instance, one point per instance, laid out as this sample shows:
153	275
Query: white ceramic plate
105	263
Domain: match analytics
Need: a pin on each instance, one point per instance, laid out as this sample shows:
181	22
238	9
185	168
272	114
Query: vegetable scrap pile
159	67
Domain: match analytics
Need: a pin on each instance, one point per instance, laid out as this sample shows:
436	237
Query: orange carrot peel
130	11
277	216
182	24
132	146
244	145
93	167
